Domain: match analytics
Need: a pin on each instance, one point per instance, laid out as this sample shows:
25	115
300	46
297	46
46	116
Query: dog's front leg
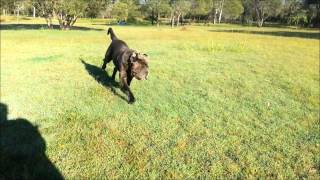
129	79
114	73
125	86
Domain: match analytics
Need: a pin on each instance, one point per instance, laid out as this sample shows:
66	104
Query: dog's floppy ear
133	56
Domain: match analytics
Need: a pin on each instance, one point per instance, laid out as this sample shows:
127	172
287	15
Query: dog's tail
112	35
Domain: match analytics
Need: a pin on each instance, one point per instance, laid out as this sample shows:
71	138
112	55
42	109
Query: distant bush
299	18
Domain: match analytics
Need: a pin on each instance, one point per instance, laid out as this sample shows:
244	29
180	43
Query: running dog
128	62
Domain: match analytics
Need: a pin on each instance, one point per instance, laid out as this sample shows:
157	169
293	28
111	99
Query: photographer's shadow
22	150
102	77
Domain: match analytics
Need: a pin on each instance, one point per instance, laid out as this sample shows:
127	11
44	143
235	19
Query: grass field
221	101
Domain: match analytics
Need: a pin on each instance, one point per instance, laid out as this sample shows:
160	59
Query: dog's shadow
103	78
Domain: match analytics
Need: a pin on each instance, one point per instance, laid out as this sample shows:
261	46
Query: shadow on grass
128	24
308	35
22	150
102	78
41	26
106	24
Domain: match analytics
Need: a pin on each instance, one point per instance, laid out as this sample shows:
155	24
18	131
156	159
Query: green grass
221	101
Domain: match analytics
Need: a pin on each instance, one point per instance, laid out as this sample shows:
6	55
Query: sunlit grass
218	104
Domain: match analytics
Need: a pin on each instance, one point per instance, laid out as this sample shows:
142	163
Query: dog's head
140	67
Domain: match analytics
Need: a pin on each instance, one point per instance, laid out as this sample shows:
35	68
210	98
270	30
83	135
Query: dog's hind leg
107	59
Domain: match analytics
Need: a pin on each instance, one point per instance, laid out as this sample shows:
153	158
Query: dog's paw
122	89
131	101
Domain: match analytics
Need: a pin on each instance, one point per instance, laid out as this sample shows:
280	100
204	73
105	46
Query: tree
260	10
133	10
233	9
293	13
299	18
264	9
13	6
155	8
179	8
29	7
247	15
7	6
219	6
93	8
120	11
201	9
301	12
214	10
68	11
312	8
46	8
19	5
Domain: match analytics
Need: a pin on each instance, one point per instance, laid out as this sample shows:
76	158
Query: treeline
174	12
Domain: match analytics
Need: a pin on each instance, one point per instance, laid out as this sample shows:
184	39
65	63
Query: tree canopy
174	12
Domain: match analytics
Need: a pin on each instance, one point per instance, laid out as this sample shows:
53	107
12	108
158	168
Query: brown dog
127	61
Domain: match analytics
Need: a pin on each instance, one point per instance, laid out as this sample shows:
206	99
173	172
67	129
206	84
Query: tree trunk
74	20
34	12
259	13
221	9
172	19
60	21
49	22
207	21
66	21
260	22
182	19
158	19
178	19
260	18
152	17
191	20
18	12
215	16
68	26
220	15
